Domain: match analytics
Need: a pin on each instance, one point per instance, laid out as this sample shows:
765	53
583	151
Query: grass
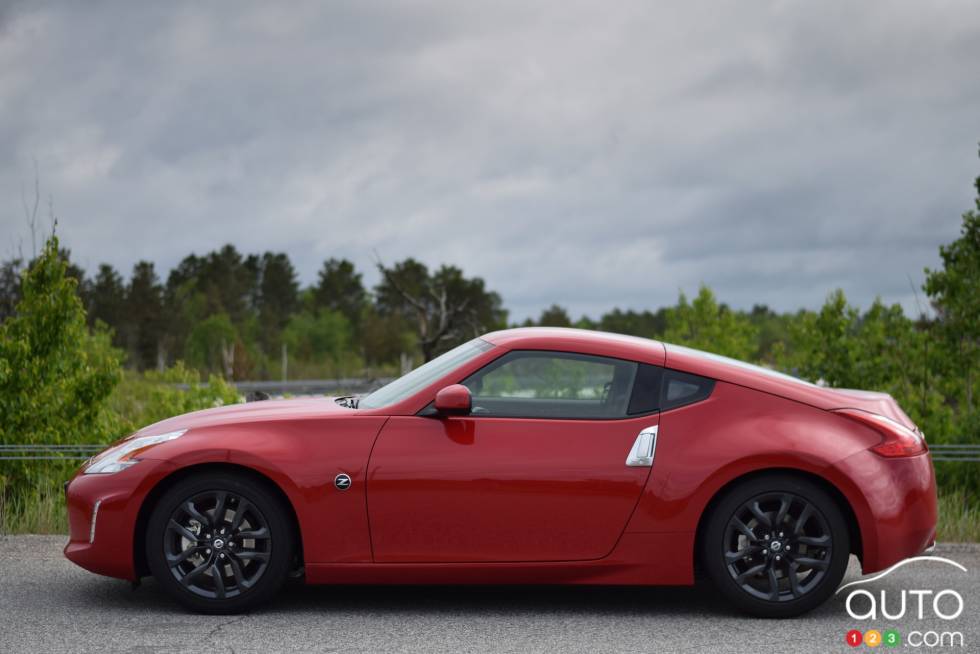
959	518
42	511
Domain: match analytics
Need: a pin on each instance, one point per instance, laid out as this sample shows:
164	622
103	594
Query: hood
261	411
777	383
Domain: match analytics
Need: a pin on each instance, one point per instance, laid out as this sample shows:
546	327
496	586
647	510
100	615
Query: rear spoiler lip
848	412
908	425
893	412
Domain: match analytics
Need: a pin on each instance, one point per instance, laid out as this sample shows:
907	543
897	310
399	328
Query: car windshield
407	385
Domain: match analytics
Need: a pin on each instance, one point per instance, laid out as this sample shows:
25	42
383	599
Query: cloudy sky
592	154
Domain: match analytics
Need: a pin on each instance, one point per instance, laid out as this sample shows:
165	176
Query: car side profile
526	456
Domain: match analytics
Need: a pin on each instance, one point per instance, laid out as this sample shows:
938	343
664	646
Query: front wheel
776	546
219	543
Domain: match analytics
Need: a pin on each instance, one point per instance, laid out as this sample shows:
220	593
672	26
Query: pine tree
339	288
144	311
107	302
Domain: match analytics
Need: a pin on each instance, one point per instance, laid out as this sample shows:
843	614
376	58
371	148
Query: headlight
123	455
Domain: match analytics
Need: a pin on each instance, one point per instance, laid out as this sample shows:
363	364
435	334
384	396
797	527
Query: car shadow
296	599
462	600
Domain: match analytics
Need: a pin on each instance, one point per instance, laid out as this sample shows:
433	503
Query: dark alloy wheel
217	544
777	546
220	544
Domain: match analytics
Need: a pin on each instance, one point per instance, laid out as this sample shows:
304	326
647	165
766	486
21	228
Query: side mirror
454	400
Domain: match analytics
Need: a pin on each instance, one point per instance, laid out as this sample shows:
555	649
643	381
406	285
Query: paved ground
49	605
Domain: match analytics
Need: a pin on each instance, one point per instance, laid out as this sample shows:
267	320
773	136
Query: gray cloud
586	154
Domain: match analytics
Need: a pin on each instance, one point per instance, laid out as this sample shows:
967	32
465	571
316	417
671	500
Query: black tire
749	529
220	564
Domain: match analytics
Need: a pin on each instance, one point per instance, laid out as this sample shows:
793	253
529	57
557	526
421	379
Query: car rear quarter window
657	389
682	388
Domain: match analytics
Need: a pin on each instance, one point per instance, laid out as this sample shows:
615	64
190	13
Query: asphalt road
49	605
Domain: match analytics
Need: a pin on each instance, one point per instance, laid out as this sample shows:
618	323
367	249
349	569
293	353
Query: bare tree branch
439	317
51	215
30	212
395	285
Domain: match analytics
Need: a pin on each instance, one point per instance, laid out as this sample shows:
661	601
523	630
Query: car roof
585	341
667	355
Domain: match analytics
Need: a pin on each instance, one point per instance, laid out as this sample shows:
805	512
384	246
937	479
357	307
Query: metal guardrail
955	452
308	386
51	452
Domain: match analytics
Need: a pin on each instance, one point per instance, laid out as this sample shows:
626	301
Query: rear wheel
776	546
220	543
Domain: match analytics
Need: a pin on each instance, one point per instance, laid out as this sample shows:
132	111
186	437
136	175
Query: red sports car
544	456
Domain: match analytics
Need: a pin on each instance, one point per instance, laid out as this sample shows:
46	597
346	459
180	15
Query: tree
74	271
955	294
879	350
224	282
183	308
10	272
278	298
339	288
317	337
55	376
227	281
445	307
554	316
773	331
706	325
144	310
384	337
211	345
635	323
839	347
107	302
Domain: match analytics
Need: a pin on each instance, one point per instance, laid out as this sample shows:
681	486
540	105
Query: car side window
646	389
681	388
659	389
544	384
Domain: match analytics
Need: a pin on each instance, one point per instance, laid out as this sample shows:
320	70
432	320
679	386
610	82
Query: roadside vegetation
88	361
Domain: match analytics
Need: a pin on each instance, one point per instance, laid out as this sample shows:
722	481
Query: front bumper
897	517
102	515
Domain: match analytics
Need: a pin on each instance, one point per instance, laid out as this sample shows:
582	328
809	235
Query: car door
537	472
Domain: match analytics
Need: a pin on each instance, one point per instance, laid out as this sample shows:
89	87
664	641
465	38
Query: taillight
896	439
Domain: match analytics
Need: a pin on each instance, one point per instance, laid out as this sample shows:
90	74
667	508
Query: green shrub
60	384
145	398
31	496
55	375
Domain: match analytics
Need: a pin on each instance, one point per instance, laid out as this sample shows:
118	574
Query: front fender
302	458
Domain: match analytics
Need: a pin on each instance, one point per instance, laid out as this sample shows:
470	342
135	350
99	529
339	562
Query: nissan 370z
527	456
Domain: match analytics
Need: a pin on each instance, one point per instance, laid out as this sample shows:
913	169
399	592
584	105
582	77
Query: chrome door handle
644	448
